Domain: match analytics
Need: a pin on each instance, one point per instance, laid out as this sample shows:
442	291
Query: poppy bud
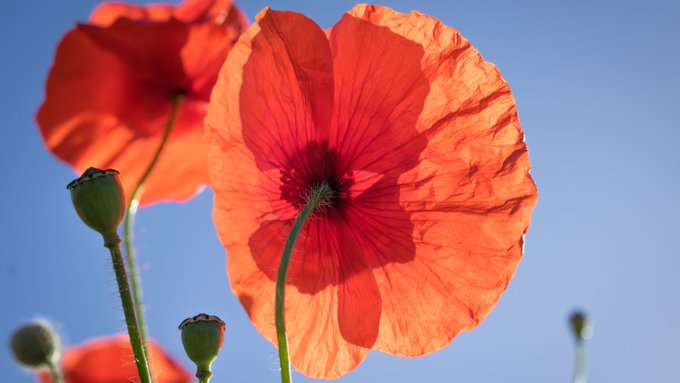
580	325
202	337
36	345
99	200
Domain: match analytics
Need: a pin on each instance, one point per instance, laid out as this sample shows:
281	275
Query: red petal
109	91
281	69
380	92
137	45
203	54
110	360
107	13
322	342
295	76
219	11
441	196
359	302
97	113
469	198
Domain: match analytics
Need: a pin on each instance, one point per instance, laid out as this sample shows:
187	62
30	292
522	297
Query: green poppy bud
36	345
202	337
580	325
99	200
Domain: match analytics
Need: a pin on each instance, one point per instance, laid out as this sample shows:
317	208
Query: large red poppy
110	88
419	139
110	360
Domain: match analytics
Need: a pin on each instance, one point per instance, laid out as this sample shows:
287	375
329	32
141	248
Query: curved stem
320	195
131	212
112	242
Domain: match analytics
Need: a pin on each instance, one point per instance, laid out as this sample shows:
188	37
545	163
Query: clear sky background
597	85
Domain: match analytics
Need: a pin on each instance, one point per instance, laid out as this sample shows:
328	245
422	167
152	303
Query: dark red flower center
309	169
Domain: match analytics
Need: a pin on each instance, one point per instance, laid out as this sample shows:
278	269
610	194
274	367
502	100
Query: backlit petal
107	13
110	360
322	342
219	11
429	170
284	89
380	91
109	91
469	199
222	12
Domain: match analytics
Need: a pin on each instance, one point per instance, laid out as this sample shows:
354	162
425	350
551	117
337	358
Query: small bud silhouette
202	337
99	200
580	325
36	345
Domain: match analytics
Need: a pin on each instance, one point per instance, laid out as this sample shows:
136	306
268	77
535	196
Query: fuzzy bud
36	345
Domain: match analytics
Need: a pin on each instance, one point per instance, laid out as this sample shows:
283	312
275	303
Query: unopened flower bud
36	345
202	337
580	325
99	200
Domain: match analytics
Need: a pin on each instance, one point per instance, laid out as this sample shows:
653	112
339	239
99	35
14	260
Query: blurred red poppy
109	91
110	360
420	141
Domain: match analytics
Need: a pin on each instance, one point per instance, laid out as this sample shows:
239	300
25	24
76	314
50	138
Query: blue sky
597	88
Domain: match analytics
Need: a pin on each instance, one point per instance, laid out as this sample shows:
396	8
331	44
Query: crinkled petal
324	341
379	94
270	108
110	360
469	198
429	228
281	72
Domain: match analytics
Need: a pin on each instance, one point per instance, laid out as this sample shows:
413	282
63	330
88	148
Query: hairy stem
320	195
112	242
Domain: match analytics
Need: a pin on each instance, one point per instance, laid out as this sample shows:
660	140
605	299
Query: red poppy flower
419	139
110	88
110	360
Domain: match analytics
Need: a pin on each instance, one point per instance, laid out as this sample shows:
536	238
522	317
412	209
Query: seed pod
98	199
202	337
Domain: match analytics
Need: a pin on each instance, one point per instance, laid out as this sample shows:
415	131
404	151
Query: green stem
580	375
320	195
112	242
55	372
131	212
203	375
